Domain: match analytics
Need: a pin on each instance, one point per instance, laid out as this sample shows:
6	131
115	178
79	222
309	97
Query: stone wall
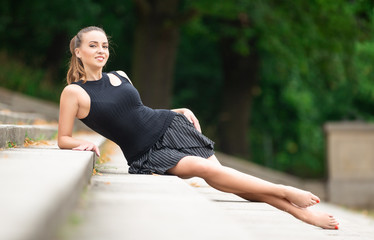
350	159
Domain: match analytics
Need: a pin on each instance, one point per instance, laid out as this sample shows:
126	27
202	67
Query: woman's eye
92	45
105	46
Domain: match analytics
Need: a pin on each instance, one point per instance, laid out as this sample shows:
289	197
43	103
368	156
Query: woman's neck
93	75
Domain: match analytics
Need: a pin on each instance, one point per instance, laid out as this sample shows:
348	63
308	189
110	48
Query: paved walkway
122	206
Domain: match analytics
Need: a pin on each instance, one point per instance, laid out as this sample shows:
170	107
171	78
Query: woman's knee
214	159
194	167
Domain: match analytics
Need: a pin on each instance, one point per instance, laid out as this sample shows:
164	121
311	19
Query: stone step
118	205
15	135
9	117
17	102
40	186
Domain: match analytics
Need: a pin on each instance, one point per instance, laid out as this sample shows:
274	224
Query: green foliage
309	77
316	63
364	92
38	34
314	70
17	76
198	79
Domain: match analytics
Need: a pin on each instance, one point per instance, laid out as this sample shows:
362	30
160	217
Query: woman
157	141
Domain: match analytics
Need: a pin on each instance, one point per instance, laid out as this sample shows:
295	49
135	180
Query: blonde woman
157	140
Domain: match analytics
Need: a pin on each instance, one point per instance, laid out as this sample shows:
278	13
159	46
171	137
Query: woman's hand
87	146
190	116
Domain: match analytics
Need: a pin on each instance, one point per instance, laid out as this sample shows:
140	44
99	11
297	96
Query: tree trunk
240	76
156	40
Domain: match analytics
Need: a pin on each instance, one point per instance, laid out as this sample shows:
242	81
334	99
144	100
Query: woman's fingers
97	151
192	118
196	124
88	147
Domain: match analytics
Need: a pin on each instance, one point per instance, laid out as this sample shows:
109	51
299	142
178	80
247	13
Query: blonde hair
76	68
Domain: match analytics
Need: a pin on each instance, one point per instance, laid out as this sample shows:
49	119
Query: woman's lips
100	58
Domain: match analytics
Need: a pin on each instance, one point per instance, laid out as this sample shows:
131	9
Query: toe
316	199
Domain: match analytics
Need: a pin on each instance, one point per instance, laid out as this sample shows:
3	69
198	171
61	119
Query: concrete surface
16	102
122	206
17	133
39	187
8	117
350	159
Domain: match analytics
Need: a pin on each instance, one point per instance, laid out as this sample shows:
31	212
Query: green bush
17	76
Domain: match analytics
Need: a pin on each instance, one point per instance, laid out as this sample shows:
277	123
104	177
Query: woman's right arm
69	106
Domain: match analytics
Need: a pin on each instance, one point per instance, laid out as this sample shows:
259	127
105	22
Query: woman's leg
232	181
254	189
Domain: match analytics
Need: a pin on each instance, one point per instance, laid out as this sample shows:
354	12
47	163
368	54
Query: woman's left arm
190	116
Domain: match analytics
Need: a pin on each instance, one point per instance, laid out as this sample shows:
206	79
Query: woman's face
94	50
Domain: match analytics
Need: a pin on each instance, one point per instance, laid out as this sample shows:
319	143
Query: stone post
350	158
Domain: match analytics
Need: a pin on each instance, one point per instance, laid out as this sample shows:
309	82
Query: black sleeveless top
118	114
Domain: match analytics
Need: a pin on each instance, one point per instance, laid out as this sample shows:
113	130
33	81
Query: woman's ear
77	53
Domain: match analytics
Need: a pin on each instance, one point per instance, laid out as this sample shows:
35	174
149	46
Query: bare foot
300	198
319	219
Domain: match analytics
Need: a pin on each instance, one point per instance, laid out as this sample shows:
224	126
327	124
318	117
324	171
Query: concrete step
136	207
9	117
266	222
39	187
17	102
16	134
122	206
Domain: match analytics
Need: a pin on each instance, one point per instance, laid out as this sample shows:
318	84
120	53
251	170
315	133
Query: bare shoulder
71	91
123	74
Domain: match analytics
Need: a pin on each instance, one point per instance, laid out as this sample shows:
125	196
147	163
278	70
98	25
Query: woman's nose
100	49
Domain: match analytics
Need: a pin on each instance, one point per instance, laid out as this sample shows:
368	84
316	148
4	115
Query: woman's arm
190	116
69	106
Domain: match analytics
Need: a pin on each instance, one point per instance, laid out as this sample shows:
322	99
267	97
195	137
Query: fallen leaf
29	142
194	184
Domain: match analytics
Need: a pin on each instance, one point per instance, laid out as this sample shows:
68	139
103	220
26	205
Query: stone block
350	158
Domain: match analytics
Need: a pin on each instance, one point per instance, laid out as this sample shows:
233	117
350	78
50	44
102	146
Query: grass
11	144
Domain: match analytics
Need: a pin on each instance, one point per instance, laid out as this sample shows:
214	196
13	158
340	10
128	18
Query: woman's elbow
61	143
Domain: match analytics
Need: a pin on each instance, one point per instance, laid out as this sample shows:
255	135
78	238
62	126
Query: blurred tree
307	79
155	47
302	53
229	24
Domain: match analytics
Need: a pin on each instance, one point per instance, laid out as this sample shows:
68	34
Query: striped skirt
181	139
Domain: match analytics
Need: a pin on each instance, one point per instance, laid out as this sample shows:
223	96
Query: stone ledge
8	117
17	133
40	186
348	126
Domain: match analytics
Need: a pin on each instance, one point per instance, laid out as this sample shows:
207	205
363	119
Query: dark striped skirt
181	139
